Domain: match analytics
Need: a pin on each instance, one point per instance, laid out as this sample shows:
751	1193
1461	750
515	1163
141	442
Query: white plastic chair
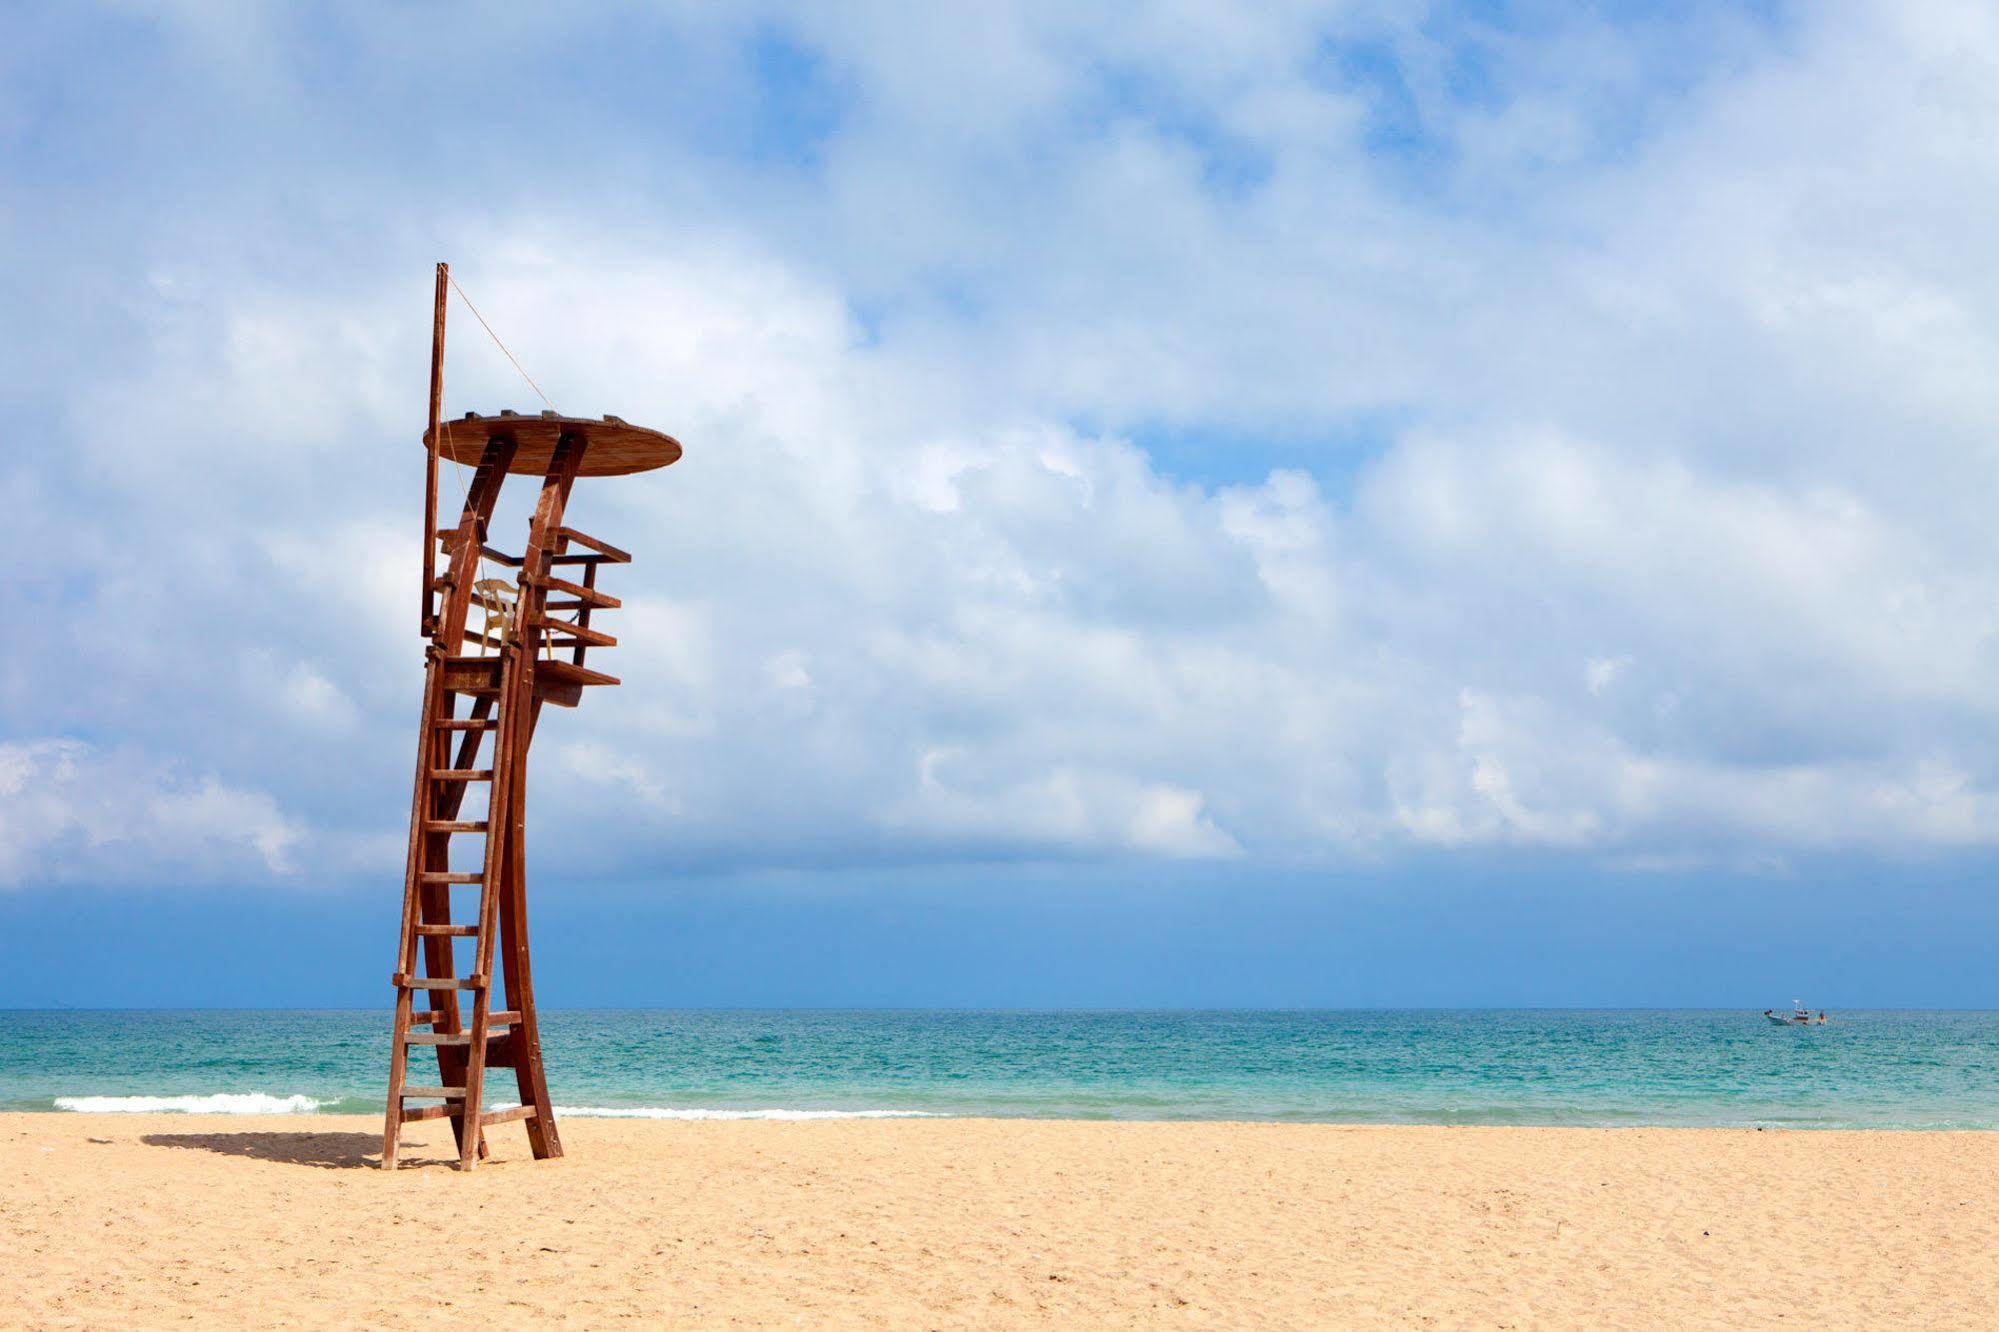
498	600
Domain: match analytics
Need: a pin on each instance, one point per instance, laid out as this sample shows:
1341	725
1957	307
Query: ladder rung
448	931
507	1116
602	600
438	1038
467	723
455	825
435	1093
440	982
462	774
454	876
499	1017
411	1114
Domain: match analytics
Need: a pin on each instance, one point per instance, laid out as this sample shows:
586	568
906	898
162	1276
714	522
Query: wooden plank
582	593
448	931
506	1116
561	695
454	876
499	1018
439	1038
581	633
456	826
465	724
417	1092
472	982
462	774
500	557
417	1113
472	675
568	672
611	553
423	1018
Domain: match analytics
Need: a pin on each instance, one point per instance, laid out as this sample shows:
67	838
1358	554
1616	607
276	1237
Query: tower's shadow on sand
328	1151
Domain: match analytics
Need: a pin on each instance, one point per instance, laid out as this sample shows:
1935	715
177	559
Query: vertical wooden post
430	467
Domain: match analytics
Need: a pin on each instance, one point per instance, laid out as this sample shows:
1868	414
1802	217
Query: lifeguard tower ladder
529	650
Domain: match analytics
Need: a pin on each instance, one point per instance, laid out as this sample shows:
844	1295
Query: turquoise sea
1895	1069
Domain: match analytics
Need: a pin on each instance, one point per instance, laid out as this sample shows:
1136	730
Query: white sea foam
676	1112
218	1103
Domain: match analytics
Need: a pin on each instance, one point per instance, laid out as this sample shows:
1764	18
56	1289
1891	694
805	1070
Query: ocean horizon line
1883	1068
1025	1010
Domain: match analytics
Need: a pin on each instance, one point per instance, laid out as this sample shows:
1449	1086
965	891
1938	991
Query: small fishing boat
1799	1016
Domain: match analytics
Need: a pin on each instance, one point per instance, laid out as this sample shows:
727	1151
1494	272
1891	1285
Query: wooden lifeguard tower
528	650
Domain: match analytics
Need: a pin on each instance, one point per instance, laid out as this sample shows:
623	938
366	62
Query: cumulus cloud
1594	460
69	811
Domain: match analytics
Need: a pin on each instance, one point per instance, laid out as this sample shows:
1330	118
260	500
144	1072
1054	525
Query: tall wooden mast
525	621
430	447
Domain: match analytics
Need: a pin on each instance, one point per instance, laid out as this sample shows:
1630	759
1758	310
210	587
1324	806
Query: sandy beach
154	1220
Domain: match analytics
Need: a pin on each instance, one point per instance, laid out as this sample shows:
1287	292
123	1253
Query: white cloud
69	811
1688	393
1600	673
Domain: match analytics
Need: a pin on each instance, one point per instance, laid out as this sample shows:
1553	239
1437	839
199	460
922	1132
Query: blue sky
1345	504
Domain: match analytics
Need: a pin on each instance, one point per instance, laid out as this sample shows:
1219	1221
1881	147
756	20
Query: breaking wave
216	1103
675	1112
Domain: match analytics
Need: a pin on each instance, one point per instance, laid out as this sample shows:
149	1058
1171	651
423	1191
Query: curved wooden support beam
524	707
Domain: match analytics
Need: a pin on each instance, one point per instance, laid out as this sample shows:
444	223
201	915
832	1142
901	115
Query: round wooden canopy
614	448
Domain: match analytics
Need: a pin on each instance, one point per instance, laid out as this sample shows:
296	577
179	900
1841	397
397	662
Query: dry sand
151	1221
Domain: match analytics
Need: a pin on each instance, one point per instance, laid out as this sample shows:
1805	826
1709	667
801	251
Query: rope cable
479	561
497	343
